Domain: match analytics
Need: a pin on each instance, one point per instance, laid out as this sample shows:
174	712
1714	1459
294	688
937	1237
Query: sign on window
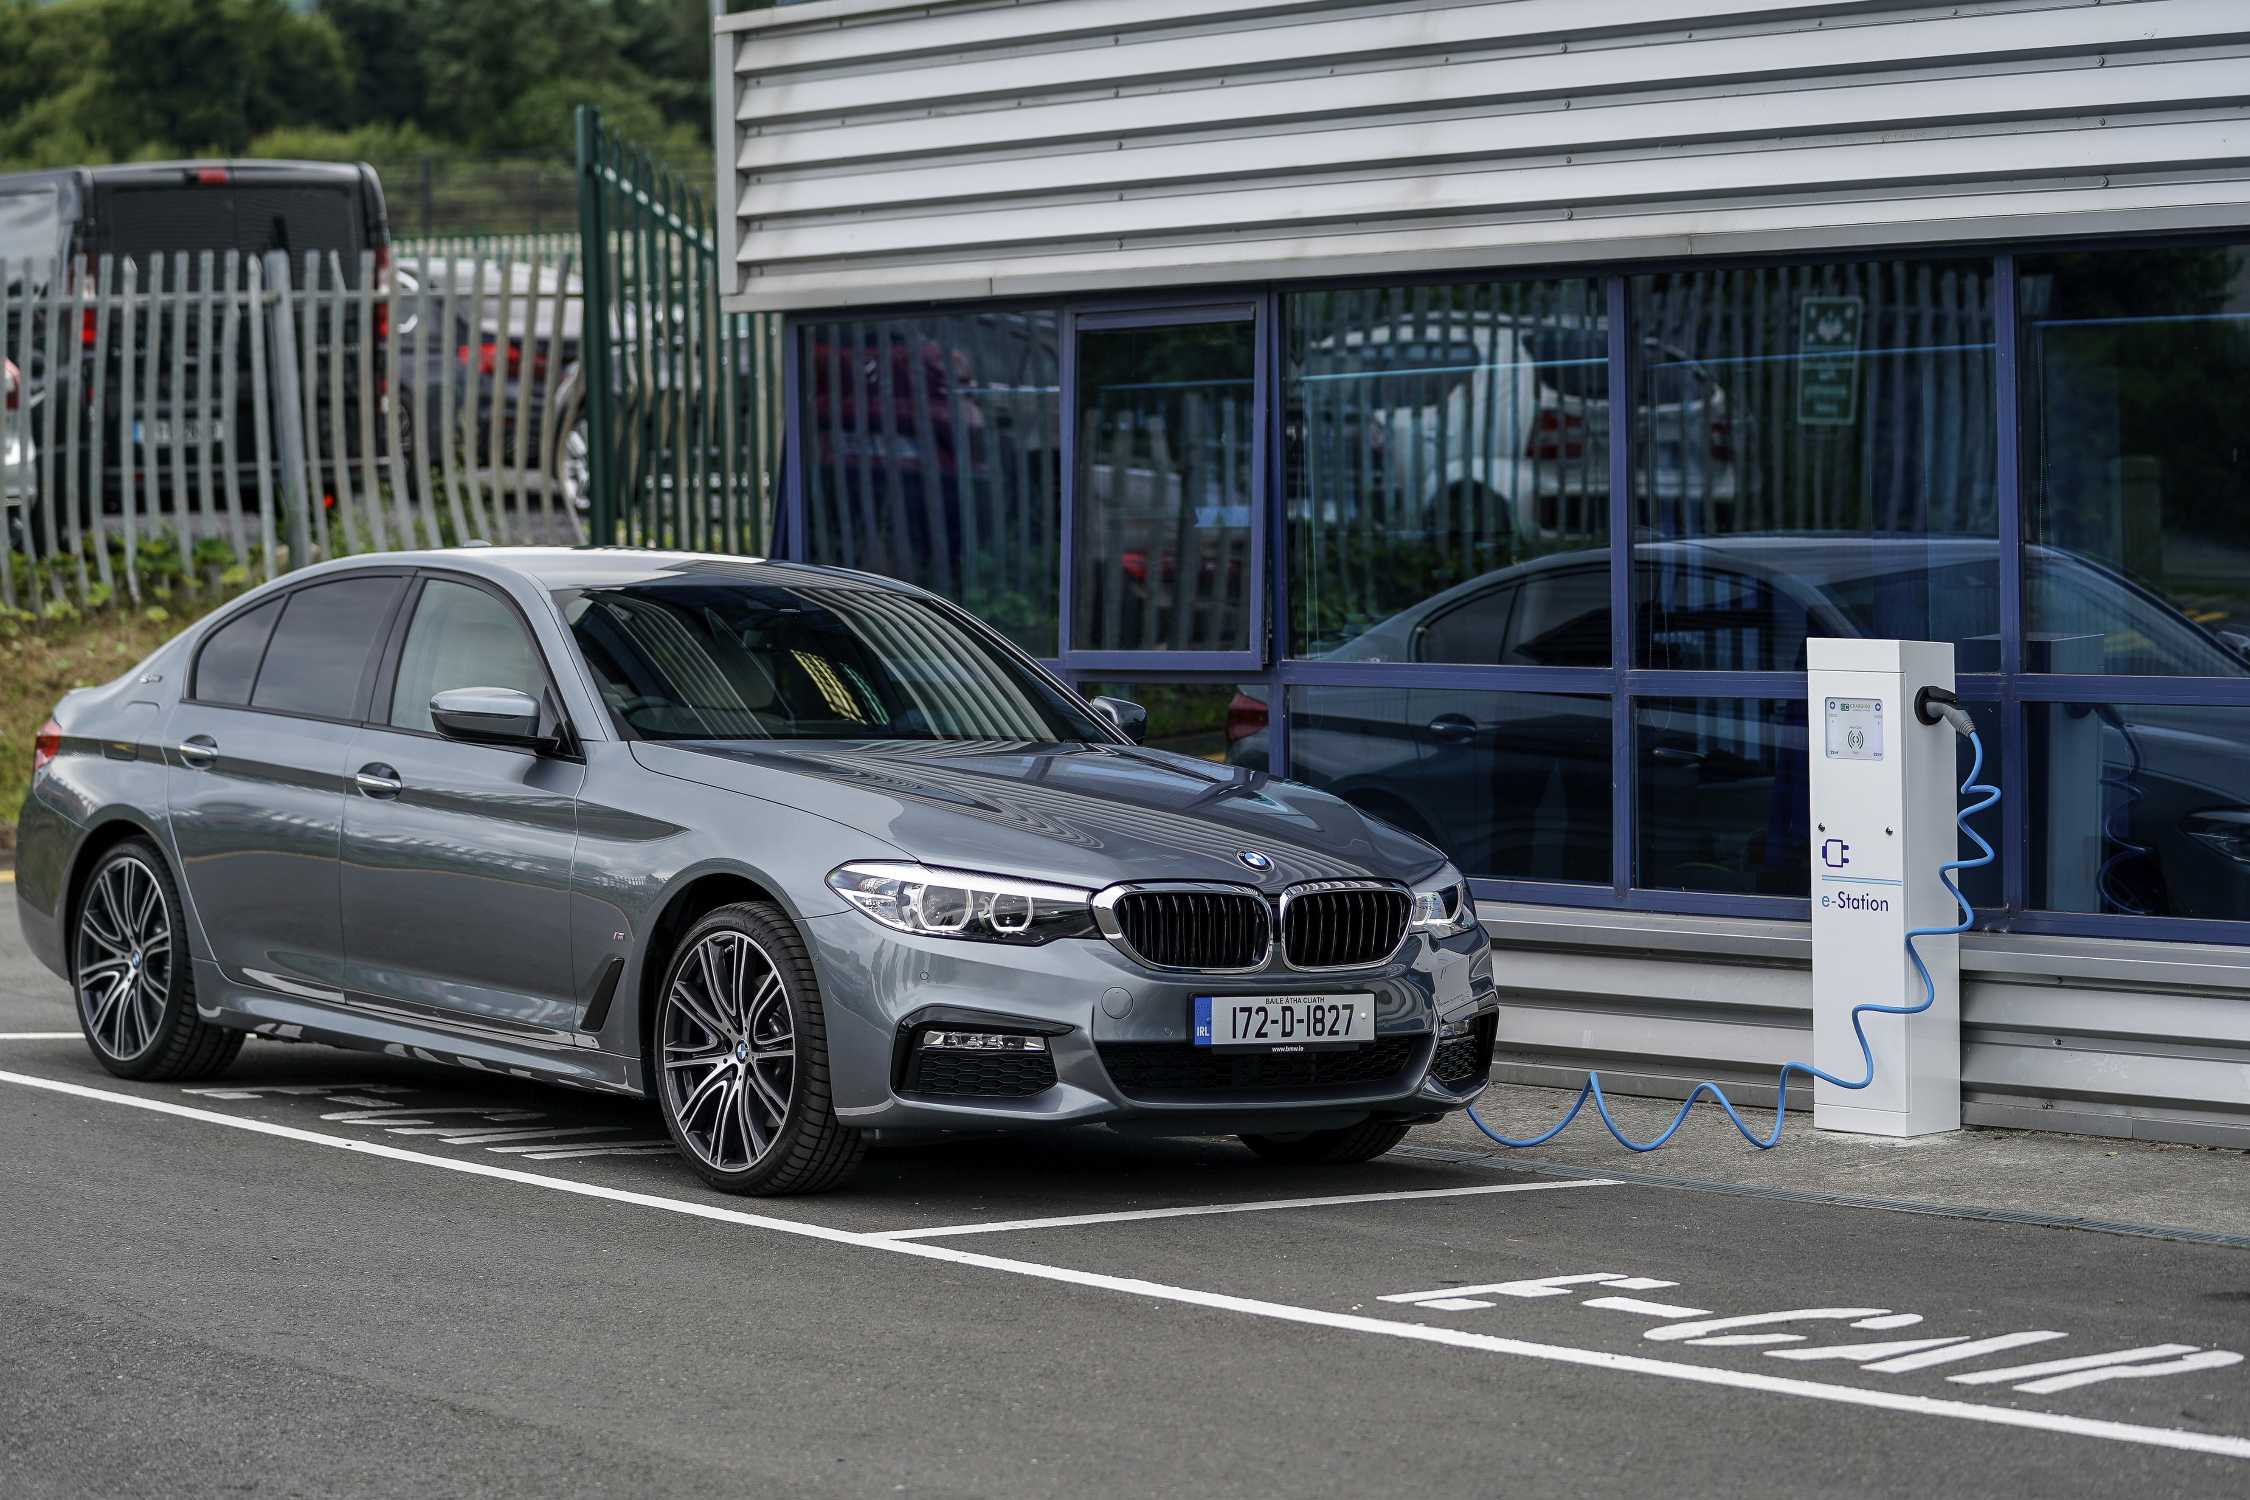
1828	362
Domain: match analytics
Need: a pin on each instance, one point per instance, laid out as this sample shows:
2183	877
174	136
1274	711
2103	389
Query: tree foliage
85	81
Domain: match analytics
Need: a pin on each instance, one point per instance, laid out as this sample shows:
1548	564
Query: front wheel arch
686	906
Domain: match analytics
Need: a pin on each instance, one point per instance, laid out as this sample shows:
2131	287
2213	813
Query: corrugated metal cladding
2149	1041
885	151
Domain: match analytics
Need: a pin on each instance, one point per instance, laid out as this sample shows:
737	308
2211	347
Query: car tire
740	1058
1328	1148
131	975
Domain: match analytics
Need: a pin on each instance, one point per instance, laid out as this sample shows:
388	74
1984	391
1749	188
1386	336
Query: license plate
1283	1023
159	432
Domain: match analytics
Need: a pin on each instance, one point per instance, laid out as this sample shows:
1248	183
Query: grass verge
42	659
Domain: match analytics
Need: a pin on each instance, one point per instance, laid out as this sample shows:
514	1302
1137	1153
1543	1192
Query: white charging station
1884	800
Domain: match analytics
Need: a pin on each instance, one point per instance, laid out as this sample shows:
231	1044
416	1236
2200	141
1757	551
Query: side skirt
339	1022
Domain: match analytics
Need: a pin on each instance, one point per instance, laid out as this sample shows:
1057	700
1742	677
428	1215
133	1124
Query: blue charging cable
1592	1088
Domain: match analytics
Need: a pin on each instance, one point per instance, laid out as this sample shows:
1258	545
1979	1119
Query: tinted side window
228	663
1697	618
321	647
1468	632
461	637
1563	620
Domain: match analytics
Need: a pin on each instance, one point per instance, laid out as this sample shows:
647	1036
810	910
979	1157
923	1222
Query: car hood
1084	815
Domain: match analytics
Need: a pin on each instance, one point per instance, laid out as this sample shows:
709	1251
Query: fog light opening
979	1041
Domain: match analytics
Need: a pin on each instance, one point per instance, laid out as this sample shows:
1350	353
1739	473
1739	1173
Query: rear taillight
1722	441
382	292
45	746
11	382
1557	435
1246	716
210	176
487	357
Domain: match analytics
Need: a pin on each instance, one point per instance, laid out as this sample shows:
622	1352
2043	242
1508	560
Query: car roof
549	568
1812	561
464	273
246	170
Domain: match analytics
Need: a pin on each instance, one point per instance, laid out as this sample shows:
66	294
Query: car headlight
2226	829
1442	905
959	904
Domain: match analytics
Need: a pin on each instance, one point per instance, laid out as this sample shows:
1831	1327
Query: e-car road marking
2221	1444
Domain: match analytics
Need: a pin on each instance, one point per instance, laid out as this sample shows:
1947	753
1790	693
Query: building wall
1640	210
883	151
2094	1036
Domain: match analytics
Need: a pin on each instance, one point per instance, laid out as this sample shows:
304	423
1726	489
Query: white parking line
523	1133
2221	1444
1124	1216
40	1036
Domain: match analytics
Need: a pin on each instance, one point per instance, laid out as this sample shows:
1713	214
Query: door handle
1453	729
198	752
378	780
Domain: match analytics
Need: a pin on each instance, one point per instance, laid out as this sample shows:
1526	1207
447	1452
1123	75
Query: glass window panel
1438	440
934	455
1210	721
703	657
2136	371
460	637
321	646
1164	498
1510	785
2140	811
1813	452
1724	800
228	663
1721	795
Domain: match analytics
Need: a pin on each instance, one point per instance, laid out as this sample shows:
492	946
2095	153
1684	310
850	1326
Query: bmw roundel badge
1255	860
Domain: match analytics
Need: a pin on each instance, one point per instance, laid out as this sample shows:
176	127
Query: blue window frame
1165	458
1702	465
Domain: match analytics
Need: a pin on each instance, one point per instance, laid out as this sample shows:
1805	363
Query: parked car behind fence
281	408
186	227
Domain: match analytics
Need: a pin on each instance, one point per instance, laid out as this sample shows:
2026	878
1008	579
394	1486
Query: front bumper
1087	999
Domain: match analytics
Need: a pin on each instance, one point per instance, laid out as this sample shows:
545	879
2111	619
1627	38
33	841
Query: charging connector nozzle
1936	705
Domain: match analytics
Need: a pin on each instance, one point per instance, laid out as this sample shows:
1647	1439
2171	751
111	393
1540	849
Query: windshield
697	660
140	219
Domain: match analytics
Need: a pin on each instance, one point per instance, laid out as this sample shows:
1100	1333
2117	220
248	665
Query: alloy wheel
124	958
729	1051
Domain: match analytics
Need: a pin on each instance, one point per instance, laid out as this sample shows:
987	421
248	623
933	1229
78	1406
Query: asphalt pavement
339	1273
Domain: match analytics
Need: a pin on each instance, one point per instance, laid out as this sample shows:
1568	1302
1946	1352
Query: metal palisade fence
682	405
178	415
213	417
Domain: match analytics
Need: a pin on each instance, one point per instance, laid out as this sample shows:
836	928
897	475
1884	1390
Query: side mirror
1126	717
491	716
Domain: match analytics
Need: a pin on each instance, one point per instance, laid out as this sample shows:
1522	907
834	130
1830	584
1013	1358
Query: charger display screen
1855	729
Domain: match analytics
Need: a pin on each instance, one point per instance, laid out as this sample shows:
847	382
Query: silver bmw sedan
805	855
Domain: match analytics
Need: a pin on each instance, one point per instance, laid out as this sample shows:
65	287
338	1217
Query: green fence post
593	238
